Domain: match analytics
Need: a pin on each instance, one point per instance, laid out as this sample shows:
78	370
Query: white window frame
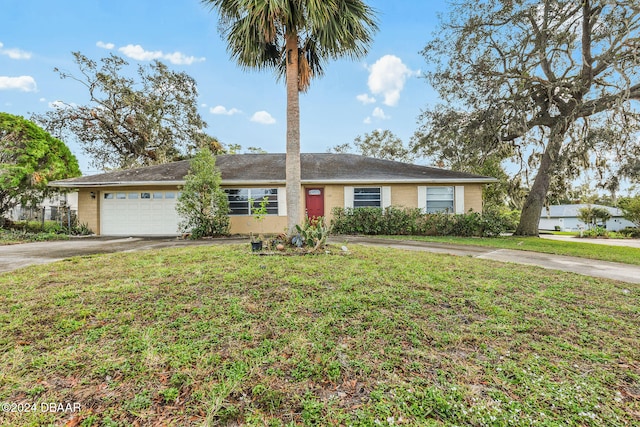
349	195
458	198
279	203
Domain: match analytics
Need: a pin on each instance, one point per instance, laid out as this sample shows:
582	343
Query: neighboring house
565	217
52	207
142	201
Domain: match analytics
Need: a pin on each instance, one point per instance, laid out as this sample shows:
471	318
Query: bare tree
550	83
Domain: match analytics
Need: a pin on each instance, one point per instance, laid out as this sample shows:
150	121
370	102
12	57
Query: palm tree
294	38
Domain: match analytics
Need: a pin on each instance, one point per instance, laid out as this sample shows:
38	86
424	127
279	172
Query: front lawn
626	255
218	336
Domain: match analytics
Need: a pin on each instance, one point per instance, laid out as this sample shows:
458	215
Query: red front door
315	202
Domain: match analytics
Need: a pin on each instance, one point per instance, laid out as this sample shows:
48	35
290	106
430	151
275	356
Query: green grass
623	254
218	336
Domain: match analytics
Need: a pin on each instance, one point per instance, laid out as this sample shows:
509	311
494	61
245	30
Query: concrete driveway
13	257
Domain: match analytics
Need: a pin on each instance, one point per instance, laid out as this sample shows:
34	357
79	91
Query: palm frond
327	29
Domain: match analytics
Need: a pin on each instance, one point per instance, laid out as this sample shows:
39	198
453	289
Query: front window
239	200
440	199
367	197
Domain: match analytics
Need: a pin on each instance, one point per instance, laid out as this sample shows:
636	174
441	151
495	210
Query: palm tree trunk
532	209
293	135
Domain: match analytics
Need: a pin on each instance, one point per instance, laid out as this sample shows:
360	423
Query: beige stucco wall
405	195
473	197
89	208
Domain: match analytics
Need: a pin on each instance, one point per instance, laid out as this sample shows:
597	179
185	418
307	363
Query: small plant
169	395
259	213
313	234
596	231
81	229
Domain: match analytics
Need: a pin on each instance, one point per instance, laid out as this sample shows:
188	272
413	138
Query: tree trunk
293	135
532	209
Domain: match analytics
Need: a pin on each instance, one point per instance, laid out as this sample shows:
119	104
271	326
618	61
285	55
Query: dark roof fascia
265	183
63	184
402	181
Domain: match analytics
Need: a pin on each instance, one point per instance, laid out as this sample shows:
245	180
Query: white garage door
139	213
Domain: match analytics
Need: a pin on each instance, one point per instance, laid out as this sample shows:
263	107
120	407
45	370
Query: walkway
588	267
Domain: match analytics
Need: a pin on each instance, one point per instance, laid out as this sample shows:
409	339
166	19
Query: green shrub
410	221
81	229
52	227
202	204
596	231
633	232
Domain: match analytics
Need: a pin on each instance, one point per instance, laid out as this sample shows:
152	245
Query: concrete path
588	267
13	257
632	243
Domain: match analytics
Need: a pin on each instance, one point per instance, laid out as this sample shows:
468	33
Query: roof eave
402	181
233	182
63	184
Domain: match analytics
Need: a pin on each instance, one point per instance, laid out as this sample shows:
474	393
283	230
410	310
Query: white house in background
566	218
52	207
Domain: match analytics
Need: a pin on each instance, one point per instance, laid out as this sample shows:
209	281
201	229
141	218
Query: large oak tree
552	83
130	120
295	38
29	159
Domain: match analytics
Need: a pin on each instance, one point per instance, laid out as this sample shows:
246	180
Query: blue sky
382	91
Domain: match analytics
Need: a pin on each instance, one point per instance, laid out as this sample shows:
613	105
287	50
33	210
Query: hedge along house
141	202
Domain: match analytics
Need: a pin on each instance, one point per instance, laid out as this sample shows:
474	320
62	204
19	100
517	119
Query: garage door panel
138	215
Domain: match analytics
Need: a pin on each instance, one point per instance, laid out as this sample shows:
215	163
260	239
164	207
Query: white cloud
379	114
263	117
14	53
387	77
43	100
367	121
138	53
57	104
23	83
181	59
219	109
104	45
366	99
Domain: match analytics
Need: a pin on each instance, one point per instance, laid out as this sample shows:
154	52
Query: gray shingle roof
270	169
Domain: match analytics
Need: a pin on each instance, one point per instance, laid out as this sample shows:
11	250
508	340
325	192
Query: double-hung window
240	200
440	199
367	197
